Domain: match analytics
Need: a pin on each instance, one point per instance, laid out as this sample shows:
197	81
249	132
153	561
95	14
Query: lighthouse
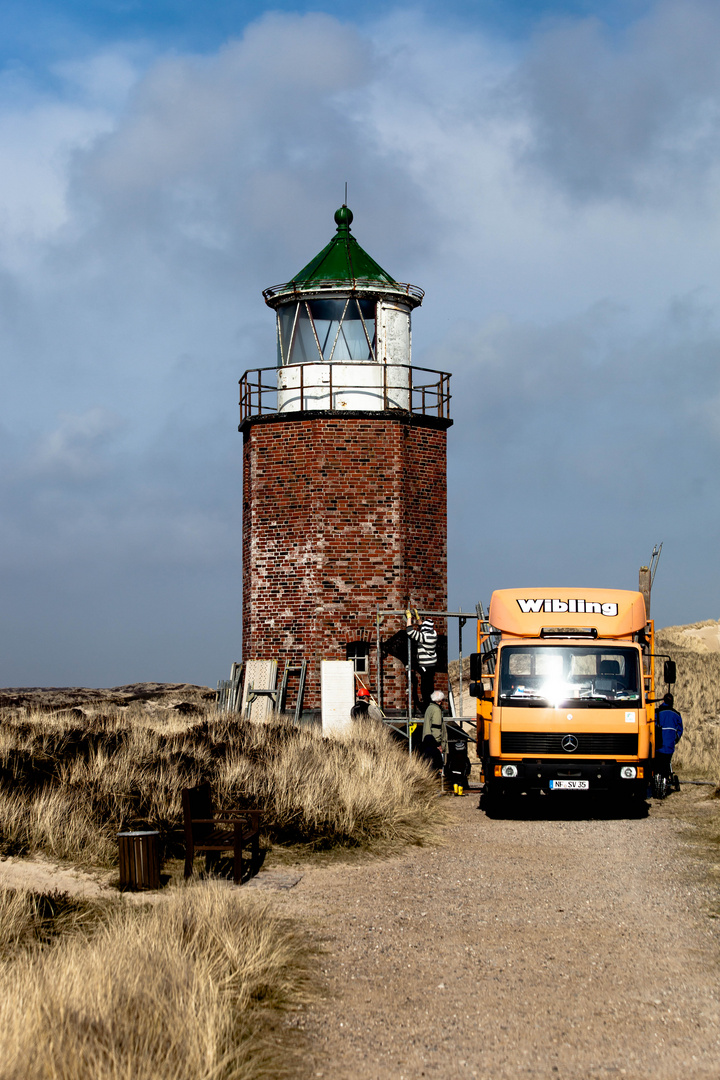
344	474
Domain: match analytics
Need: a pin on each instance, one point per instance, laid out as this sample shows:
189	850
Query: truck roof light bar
568	632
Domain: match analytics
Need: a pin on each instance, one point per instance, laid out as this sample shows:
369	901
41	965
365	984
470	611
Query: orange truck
565	680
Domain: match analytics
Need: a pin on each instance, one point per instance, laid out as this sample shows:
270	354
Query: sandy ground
560	946
43	875
550	944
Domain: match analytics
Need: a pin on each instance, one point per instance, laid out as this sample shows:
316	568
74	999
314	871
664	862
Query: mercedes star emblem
569	744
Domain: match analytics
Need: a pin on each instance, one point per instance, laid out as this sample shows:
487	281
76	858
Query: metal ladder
292	669
490	639
229	691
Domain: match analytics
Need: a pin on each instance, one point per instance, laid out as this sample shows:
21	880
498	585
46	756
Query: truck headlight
509	770
628	772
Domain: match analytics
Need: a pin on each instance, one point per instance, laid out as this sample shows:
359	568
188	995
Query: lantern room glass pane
285	323
339	328
327	316
304	348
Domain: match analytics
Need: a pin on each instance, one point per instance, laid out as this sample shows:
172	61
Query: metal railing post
409	686
461	623
379	662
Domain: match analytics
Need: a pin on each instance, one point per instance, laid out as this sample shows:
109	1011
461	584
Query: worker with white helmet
433	730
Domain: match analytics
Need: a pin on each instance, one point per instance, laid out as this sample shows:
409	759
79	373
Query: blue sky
547	173
37	27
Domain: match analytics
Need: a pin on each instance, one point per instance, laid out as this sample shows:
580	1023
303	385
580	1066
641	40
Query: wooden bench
209	832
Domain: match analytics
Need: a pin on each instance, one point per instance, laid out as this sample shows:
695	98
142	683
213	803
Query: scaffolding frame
462	617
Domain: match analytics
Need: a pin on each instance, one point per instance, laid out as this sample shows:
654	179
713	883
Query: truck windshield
560	675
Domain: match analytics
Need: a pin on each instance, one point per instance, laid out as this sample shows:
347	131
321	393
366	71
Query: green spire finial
342	260
343	218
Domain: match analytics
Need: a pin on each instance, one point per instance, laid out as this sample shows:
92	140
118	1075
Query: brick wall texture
341	515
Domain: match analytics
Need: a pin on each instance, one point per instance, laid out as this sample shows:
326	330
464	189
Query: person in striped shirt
425	637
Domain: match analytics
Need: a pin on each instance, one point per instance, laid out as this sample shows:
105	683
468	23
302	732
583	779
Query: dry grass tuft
697	696
68	785
29	919
184	990
363	790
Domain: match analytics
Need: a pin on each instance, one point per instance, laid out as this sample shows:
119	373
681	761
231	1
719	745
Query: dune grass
190	988
697	696
29	919
68	785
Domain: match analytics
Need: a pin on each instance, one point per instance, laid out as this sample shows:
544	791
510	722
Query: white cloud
37	145
75	449
103	79
538	193
635	116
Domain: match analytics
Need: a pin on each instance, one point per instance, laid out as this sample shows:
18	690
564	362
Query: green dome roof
343	259
341	265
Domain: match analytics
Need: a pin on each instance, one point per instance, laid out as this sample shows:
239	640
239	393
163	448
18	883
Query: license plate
569	785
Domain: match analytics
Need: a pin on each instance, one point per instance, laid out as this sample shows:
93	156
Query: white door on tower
337	687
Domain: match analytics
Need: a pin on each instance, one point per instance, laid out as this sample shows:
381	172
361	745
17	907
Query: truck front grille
534	742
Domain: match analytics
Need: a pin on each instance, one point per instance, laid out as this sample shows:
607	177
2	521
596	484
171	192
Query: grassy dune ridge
697	696
67	785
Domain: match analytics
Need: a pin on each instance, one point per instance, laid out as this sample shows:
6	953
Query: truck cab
563	678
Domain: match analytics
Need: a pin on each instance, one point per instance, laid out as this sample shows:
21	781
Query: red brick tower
344	474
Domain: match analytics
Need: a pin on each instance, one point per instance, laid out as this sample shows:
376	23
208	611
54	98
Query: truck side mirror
476	667
669	672
476	689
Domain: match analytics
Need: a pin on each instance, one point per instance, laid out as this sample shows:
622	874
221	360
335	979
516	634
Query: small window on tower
358	652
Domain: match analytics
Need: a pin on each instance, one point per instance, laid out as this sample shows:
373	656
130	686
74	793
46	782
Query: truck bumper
536	774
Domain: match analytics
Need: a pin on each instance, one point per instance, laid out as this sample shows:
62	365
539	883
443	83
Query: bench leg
189	860
237	853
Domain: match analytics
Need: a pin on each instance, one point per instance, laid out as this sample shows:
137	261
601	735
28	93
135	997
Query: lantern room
343	331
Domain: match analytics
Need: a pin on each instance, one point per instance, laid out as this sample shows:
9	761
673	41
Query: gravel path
571	947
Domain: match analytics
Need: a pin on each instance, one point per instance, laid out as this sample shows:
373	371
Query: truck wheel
660	786
492	798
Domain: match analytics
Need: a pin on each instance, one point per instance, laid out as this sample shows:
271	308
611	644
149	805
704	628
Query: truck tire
661	786
492	798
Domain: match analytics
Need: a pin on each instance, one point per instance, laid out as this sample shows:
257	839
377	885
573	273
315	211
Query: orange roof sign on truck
612	613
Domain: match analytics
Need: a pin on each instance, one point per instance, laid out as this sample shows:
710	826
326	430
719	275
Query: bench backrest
197	803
